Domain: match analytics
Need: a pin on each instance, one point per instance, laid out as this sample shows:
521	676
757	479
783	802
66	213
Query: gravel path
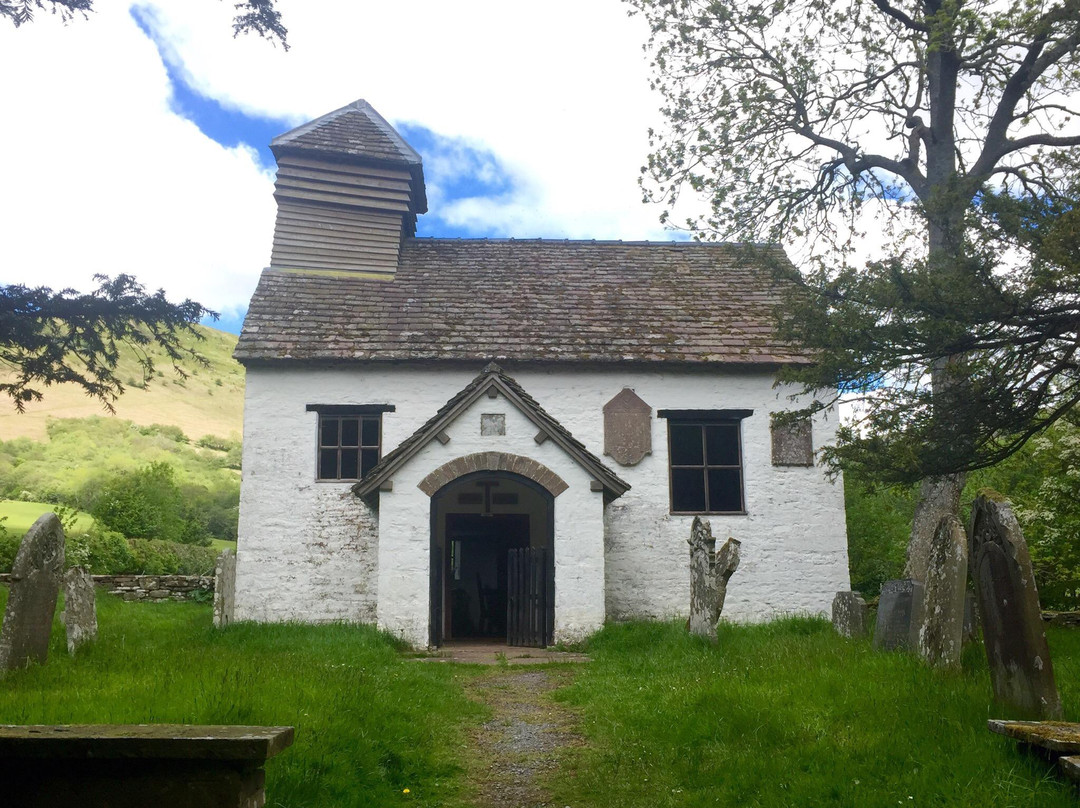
513	755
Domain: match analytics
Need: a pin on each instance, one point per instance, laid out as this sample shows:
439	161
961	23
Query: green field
20	515
784	714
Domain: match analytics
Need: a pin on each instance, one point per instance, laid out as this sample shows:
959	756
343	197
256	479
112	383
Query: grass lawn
368	724
20	515
790	714
786	714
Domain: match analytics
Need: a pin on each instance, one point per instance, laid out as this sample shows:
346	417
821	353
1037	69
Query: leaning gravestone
898	601
850	614
971	616
35	586
224	588
1020	668
703	611
80	613
938	636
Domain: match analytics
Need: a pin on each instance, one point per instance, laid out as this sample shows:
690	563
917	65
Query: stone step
1070	766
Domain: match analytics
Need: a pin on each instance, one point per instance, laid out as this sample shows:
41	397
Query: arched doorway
492	560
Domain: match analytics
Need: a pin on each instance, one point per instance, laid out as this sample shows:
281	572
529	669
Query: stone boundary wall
154	588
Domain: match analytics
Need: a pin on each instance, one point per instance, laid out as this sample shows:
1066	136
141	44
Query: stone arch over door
493	461
506	548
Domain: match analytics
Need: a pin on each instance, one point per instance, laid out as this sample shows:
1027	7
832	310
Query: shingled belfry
348	191
425	418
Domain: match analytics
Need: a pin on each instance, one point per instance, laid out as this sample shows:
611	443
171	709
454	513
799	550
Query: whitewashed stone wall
310	551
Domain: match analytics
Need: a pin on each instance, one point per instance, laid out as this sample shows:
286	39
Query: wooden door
529	607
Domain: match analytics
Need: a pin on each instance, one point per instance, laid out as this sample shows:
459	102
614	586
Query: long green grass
368	724
789	714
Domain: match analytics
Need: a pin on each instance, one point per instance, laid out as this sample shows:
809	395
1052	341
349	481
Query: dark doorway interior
476	571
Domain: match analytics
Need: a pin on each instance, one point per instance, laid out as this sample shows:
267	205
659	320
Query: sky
136	139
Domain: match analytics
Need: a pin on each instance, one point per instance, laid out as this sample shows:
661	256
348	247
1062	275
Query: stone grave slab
137	765
1059	737
35	587
1021	670
1070	767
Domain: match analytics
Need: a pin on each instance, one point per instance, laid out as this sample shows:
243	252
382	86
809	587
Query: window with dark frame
705	461
349	440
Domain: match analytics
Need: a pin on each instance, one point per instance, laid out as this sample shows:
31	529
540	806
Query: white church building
509	439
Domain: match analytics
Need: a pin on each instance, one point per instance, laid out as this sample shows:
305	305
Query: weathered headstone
938	636
850	614
727	561
35	586
224	588
80	612
1020	668
703	611
899	599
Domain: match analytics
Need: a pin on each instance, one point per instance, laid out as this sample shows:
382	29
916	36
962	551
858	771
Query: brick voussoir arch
493	461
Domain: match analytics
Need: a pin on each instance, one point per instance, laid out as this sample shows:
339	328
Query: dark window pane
349	464
686	445
687	490
371	432
369	457
725	490
350	431
328	464
722	444
329	435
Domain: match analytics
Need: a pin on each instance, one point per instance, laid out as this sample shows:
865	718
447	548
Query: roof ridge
601	242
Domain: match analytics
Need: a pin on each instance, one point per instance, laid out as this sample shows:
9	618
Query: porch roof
492	376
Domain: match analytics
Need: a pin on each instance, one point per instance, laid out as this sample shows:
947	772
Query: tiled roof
356	130
536	300
491	376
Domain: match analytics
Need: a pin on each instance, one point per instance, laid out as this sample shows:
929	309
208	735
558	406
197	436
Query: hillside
209	402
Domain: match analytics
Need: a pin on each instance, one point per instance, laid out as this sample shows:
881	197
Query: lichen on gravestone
938	635
850	614
35	587
710	572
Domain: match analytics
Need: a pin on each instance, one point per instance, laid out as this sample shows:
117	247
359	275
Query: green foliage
102	552
149	503
878	526
154	557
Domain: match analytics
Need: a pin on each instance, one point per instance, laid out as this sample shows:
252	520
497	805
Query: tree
49	337
797	117
253	16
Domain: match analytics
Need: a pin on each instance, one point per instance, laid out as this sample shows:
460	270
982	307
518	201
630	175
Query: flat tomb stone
129	765
1061	737
1070	767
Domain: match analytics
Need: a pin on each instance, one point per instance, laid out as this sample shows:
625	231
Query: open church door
436	592
530	604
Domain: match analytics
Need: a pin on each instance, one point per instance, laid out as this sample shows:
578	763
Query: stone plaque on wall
792	442
627	428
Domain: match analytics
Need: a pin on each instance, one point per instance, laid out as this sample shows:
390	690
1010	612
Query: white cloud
100	175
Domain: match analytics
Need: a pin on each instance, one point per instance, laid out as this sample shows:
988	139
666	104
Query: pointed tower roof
355	130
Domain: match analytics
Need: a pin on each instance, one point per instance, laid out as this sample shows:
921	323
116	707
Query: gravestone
224	588
850	614
35	586
80	612
938	636
898	601
703	611
727	561
1020	668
